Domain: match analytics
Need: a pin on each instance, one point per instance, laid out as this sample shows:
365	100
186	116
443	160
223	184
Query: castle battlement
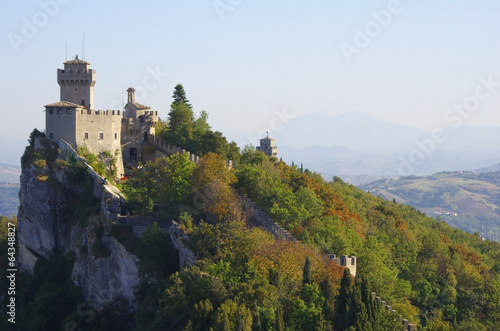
77	82
76	75
345	261
100	112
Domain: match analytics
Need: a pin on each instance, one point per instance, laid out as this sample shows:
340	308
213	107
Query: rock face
45	226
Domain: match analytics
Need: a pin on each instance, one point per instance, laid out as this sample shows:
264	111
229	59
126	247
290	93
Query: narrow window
133	153
101	135
116	136
86	135
59	111
51	135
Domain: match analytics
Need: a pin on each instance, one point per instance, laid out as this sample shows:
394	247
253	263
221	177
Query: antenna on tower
83	45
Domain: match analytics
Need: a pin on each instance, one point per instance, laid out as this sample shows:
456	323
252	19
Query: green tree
141	188
344	300
179	96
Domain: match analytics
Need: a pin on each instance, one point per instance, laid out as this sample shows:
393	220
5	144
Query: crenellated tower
77	83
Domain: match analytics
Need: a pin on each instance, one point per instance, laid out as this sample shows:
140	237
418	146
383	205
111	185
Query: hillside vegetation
438	277
463	199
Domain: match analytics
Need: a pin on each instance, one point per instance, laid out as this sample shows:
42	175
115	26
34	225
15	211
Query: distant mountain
463	199
11	150
9	200
365	133
356	131
493	168
361	168
359	147
10	173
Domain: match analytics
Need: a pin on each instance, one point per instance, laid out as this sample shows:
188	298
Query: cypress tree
358	315
307	275
326	286
344	298
280	324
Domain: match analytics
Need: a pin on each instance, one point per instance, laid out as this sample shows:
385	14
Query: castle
75	120
128	135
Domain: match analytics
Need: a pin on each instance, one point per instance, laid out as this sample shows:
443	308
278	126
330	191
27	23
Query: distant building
267	147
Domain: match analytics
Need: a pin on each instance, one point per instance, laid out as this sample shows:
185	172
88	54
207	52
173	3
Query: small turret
131	95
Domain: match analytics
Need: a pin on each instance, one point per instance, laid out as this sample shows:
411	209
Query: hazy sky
404	61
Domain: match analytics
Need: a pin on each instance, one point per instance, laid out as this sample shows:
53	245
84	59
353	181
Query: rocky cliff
66	207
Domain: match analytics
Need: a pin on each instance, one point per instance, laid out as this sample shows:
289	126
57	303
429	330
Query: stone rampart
259	218
170	149
404	322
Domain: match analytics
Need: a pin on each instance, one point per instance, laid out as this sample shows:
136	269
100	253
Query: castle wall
134	133
100	131
60	123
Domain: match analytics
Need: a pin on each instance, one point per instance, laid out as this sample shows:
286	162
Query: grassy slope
475	198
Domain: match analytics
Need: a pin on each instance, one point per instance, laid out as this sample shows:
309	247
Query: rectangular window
51	111
59	111
86	135
51	135
101	135
116	136
133	153
68	111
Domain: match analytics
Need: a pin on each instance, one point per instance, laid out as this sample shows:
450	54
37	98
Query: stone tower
267	147
74	120
77	83
138	129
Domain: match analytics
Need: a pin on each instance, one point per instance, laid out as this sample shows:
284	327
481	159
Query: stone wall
259	218
406	324
99	131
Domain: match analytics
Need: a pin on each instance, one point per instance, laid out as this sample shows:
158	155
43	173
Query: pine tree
179	96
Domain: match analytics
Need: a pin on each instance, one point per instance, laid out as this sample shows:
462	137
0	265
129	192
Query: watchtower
267	146
77	83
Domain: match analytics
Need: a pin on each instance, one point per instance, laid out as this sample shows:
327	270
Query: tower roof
76	60
64	104
139	106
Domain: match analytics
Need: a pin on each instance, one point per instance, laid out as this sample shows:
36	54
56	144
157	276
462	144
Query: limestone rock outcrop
45	225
